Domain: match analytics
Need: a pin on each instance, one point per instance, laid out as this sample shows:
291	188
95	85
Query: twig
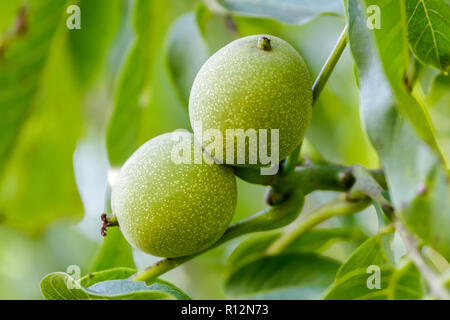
436	287
338	207
269	219
329	65
317	87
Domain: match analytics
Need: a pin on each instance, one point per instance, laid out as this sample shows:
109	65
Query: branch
329	65
317	87
271	218
436	287
339	207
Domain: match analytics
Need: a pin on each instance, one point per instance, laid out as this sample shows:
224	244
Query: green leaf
417	181
315	240
61	286
8	11
54	287
38	183
123	130
89	45
123	273
395	284
438	101
23	54
374	251
104	275
429	31
251	248
392	44
114	252
374	258
142	83
288	275
125	287
287	11
186	53
160	284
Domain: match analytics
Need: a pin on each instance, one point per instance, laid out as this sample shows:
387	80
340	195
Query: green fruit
256	82
168	209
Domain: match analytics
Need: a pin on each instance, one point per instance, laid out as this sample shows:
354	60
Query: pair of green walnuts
170	209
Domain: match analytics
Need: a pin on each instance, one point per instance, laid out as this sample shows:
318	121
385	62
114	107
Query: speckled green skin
168	209
242	87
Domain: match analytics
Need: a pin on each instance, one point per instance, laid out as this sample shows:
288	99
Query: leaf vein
432	32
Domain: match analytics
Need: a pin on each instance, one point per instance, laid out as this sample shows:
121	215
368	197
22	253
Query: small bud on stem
108	221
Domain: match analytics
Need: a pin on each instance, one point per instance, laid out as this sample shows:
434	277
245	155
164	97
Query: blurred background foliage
74	105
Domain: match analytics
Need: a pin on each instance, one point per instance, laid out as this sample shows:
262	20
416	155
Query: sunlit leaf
108	274
61	286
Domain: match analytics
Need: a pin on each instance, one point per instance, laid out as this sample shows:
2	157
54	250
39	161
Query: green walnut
169	208
254	83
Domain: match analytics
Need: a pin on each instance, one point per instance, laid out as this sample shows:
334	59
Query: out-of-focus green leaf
105	275
38	183
438	101
315	240
186	53
88	45
417	179
287	11
8	11
61	286
429	31
24	50
217	30
284	276
123	131
395	284
136	93
115	252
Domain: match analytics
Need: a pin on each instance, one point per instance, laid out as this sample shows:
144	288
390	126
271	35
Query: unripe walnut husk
257	82
170	209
